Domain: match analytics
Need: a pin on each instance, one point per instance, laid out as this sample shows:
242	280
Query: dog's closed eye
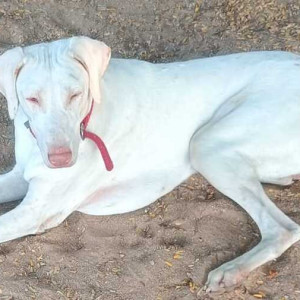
33	100
75	96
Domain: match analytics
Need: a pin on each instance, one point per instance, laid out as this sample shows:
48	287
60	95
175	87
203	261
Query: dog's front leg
12	186
45	206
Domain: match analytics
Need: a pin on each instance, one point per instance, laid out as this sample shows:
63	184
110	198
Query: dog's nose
60	157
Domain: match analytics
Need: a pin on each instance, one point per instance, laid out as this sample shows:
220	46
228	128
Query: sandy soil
165	250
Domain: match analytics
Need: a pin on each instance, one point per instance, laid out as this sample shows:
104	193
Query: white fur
235	119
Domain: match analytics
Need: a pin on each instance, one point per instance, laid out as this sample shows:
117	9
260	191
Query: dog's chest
135	192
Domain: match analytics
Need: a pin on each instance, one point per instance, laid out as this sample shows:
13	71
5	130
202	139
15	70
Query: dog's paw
223	278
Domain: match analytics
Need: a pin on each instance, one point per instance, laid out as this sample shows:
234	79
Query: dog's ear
11	63
94	57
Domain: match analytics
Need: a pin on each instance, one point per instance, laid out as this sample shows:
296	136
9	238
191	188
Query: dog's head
54	84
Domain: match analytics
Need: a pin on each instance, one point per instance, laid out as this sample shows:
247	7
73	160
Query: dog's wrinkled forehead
55	57
45	52
52	61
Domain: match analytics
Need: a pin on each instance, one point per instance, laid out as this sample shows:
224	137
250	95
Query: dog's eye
75	96
33	100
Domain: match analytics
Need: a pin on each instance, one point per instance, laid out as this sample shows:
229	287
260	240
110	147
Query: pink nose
60	157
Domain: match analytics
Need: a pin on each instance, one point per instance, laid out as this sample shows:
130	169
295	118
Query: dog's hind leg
232	174
12	186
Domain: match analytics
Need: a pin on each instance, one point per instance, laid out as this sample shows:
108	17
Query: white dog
235	119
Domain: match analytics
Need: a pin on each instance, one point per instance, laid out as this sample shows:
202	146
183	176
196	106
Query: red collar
89	135
96	139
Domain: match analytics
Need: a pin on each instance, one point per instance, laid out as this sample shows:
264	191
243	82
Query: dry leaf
168	264
260	295
178	254
272	273
192	286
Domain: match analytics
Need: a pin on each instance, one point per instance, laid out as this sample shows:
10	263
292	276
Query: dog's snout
60	157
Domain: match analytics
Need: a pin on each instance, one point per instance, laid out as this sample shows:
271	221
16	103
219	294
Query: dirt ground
165	250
